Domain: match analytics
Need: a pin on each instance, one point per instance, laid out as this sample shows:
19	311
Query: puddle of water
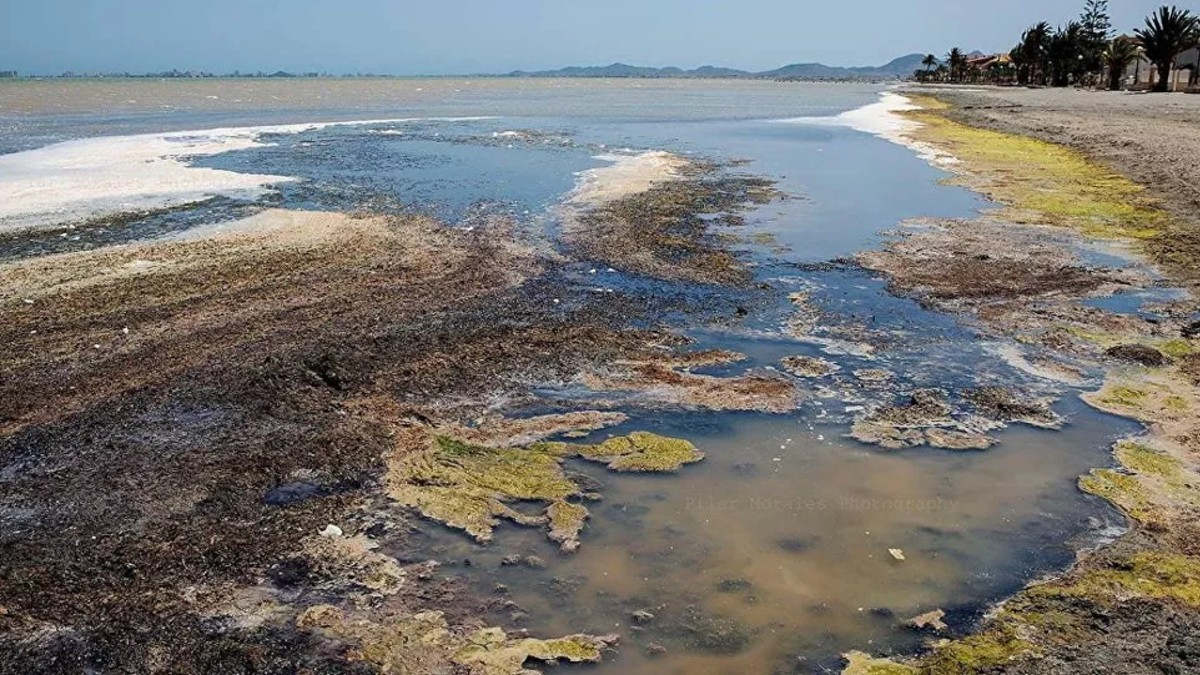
773	552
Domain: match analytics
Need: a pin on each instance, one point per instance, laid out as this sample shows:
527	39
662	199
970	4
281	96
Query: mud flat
1025	271
209	441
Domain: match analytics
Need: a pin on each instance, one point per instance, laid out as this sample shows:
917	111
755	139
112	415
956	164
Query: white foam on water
110	175
881	119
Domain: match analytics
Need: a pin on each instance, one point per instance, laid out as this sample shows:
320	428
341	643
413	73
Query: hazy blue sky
466	36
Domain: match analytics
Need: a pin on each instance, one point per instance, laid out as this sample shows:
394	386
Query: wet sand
185	421
1127	606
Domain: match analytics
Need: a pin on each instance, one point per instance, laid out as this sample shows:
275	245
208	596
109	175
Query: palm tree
1119	53
1031	53
958	63
1064	53
930	62
1168	32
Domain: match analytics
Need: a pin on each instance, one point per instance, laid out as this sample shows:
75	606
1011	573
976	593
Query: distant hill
896	68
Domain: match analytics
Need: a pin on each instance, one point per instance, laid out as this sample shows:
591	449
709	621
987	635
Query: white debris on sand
625	175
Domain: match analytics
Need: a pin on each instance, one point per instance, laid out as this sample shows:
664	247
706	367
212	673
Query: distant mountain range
896	68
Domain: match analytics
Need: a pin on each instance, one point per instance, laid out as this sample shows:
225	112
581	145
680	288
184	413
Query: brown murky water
772	555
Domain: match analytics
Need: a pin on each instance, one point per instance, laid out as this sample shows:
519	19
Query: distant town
899	68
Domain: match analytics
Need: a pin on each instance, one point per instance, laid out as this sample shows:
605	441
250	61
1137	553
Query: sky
405	37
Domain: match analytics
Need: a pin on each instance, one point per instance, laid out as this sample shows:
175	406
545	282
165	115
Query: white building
1140	74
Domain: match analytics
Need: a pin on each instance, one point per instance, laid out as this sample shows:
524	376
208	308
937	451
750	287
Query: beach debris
655	649
896	553
331	530
809	366
929	620
954	439
1135	353
388	644
873	374
1003	404
642	616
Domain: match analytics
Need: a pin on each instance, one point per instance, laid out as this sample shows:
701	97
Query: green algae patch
470	487
859	663
1123	396
1155	574
566	522
474	487
640	451
1176	348
491	652
1040	182
1124	491
425	644
1154	395
1146	460
978	653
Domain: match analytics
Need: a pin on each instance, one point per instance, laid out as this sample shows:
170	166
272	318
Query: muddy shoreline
219	448
199	432
1130	606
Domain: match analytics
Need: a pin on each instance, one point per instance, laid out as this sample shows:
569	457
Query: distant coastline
898	68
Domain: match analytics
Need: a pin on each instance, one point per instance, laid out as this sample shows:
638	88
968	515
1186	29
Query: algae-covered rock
470	487
639	451
566	522
859	663
424	644
873	375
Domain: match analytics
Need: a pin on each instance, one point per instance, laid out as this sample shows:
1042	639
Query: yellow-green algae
424	644
1155	574
470	487
1041	182
566	522
639	451
859	663
1147	460
977	653
1123	490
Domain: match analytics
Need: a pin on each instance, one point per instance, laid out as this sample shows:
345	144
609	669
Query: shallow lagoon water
772	554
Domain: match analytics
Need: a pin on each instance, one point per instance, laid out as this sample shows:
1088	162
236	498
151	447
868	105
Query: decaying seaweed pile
666	230
205	441
1132	606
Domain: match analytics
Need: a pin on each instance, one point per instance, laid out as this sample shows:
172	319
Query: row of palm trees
1078	53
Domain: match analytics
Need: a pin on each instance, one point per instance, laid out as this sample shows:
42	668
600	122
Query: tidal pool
772	555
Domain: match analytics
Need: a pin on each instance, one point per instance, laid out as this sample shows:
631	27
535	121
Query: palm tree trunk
1164	75
1114	77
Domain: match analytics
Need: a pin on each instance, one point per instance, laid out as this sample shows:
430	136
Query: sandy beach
1153	139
